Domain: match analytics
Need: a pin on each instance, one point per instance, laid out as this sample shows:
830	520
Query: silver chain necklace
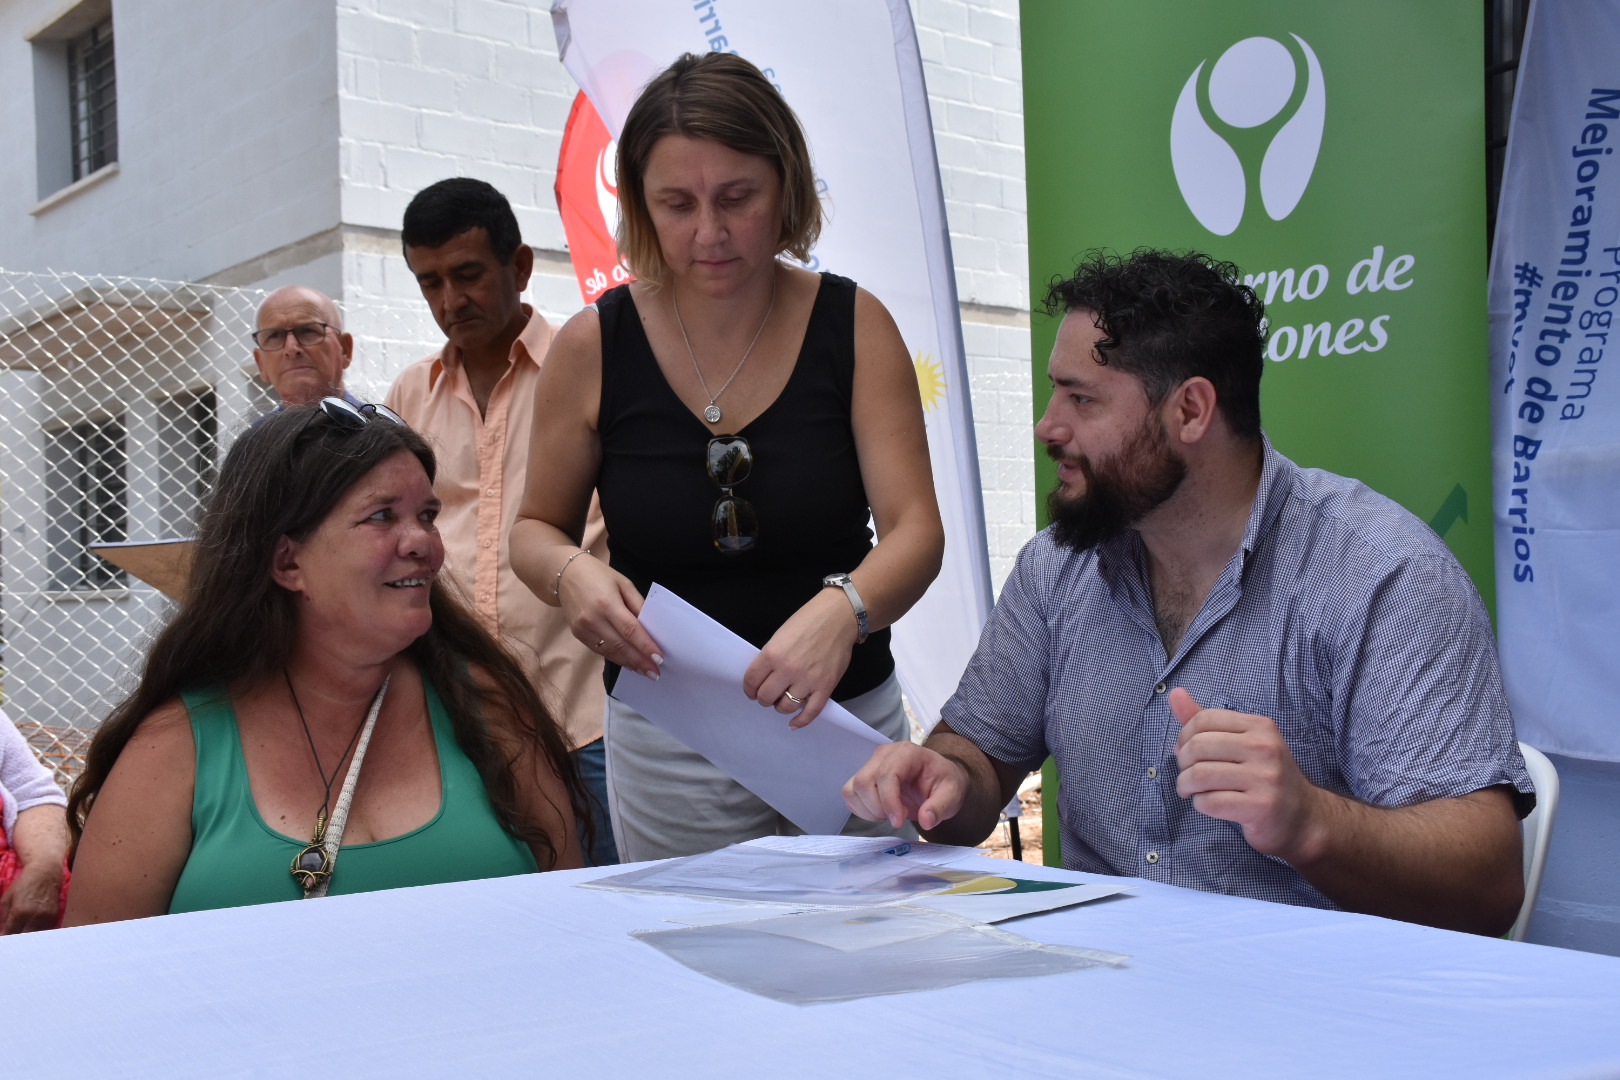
712	413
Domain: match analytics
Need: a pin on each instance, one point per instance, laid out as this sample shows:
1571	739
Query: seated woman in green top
316	642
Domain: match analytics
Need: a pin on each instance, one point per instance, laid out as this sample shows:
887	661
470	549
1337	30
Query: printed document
699	699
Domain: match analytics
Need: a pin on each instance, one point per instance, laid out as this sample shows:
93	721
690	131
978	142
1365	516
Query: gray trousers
667	800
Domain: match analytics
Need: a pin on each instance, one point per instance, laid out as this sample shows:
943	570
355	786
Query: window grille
88	501
93	99
188	438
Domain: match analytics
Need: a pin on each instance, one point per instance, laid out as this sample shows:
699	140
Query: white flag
1555	347
851	70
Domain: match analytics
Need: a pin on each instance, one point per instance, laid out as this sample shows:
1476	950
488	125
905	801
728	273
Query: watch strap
863	624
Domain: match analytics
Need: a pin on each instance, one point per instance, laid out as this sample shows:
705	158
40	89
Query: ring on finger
789	695
601	642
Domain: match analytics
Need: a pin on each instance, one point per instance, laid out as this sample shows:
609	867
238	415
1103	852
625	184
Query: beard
1121	489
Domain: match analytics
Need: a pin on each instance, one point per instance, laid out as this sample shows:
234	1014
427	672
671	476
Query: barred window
93	99
86	469
188	439
75	100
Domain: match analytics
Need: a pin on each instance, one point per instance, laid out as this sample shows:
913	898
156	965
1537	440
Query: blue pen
898	849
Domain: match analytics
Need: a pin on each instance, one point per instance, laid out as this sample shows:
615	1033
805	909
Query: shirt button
486	596
490	492
1153	856
1153	772
488	542
1159	689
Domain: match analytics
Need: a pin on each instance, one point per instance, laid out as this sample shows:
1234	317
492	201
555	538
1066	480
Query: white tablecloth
527	976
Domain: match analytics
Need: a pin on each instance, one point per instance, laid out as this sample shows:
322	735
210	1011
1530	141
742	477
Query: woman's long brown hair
236	627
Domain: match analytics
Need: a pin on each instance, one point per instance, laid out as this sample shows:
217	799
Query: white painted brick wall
482	94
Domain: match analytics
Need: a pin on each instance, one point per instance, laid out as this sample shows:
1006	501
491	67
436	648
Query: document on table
698	698
849	871
765	873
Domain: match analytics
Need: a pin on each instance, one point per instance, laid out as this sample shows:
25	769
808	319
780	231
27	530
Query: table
528	976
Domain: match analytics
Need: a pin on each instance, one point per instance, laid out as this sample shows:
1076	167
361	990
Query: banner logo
587	189
1248	89
930	380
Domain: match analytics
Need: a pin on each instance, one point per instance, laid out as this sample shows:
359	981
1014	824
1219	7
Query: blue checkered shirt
1341	617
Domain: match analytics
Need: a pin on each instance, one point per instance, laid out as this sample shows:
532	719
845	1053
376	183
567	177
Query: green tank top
237	859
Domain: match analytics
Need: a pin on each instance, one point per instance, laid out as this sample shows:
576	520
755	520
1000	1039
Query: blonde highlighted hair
723	97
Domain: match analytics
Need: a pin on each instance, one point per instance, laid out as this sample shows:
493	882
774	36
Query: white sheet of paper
841	847
982	902
998	897
699	699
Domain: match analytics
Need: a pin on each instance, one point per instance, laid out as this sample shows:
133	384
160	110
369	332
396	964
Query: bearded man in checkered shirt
1255	678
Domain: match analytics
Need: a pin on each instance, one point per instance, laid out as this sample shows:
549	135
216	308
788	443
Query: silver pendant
712	413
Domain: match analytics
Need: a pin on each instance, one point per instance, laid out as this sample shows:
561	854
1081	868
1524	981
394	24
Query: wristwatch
843	581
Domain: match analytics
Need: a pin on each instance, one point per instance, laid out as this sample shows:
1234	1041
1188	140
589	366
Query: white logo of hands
1248	86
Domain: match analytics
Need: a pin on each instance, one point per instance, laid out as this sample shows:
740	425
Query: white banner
851	70
1555	327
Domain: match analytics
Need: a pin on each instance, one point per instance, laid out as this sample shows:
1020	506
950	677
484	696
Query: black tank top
805	485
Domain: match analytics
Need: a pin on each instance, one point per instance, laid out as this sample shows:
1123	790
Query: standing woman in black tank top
739	417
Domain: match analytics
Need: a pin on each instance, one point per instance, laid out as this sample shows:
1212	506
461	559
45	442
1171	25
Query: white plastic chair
1536	829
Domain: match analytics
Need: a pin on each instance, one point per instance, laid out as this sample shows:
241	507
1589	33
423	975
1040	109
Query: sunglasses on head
348	415
736	528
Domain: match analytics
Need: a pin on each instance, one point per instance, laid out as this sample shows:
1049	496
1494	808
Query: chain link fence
118	397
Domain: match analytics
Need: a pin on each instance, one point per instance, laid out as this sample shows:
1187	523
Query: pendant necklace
712	413
313	864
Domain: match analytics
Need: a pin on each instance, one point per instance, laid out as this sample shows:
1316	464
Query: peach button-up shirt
483	464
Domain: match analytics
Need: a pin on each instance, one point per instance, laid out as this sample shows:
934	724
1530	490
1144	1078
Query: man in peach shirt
475	400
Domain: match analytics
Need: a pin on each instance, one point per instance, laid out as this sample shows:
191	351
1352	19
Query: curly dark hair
235	625
1168	317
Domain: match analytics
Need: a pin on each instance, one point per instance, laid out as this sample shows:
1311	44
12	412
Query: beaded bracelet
556	584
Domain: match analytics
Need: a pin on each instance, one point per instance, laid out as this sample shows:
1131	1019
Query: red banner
588	199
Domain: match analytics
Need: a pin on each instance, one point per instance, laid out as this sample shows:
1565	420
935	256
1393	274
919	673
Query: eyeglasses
354	417
308	335
736	529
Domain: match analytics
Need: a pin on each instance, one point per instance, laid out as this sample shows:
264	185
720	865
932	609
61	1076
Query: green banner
1335	153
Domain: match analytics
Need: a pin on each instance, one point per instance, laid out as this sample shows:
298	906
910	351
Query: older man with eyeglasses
300	345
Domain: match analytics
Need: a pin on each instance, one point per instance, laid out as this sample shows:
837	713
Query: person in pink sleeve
33	838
